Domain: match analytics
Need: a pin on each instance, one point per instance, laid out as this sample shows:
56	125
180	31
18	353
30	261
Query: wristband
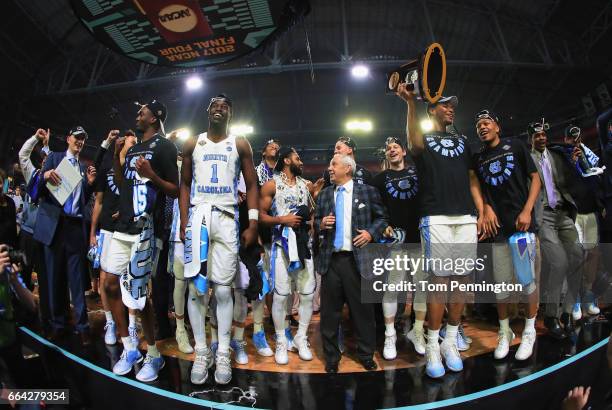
105	144
254	214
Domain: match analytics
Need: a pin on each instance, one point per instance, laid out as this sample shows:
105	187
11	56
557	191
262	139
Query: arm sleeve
24	157
100	155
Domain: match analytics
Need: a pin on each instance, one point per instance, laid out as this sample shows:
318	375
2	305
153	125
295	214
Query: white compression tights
197	306
225	310
279	310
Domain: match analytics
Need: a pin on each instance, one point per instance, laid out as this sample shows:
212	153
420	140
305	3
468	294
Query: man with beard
450	198
398	188
511	186
288	197
213	161
61	229
147	176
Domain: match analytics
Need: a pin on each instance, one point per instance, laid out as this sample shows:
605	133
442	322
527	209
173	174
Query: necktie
549	184
339	237
68	205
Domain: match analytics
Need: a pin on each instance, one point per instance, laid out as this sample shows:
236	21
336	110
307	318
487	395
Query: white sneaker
110	335
526	347
503	343
593	309
182	340
577	312
301	343
223	371
240	354
281	356
451	355
203	361
417	337
390	351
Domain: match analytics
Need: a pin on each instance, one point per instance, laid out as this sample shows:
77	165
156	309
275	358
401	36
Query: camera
15	256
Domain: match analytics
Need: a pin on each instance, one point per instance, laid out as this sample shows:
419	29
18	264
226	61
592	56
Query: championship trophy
426	75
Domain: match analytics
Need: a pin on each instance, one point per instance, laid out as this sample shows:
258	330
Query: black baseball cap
537	126
450	99
223	97
348	141
283	153
572	131
158	109
78	132
482	114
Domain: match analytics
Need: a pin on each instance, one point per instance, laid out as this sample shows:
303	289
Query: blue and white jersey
216	172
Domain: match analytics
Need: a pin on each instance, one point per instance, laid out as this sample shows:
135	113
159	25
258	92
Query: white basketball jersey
216	172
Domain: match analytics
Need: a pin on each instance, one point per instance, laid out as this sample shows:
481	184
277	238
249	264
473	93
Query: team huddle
240	232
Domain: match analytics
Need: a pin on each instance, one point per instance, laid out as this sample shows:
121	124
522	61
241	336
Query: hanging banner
188	33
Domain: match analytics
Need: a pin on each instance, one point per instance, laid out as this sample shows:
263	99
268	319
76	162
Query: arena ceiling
524	59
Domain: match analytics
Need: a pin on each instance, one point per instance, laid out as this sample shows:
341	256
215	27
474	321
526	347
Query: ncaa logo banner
188	33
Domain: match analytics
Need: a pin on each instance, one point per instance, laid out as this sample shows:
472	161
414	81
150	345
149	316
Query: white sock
279	311
108	315
258	315
240	312
152	351
389	329
196	307
504	324
418	325
451	334
225	313
305	311
432	337
529	325
127	343
132	318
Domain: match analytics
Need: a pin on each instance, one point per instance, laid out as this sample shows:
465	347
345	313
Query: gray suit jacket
560	171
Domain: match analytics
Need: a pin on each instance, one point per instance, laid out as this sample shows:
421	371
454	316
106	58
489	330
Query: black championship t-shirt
138	196
361	176
444	181
398	190
105	182
504	175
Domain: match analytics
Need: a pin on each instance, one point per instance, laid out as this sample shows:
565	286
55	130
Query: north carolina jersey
289	197
216	173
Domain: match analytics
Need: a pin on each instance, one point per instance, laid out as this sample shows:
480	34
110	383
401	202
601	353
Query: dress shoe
331	367
554	328
566	321
85	338
368	364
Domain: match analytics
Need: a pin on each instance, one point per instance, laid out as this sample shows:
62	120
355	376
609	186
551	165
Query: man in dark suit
348	216
61	230
555	213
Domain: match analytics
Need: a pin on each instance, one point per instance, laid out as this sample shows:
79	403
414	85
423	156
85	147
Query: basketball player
212	162
148	175
511	186
398	188
289	198
450	196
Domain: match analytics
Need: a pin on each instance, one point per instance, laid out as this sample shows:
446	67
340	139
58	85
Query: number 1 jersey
216	173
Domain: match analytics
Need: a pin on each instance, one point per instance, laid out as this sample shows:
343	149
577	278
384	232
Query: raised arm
185	184
413	131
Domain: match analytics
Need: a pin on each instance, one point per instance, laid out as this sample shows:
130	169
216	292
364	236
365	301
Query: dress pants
340	284
562	259
64	265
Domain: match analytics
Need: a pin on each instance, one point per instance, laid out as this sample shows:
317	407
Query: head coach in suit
60	228
348	216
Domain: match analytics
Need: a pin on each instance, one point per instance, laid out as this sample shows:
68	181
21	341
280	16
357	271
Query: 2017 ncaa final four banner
188	33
